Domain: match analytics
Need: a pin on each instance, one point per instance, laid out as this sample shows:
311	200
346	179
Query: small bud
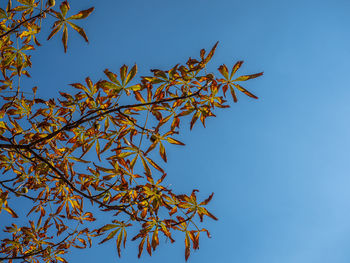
153	138
210	76
97	126
51	3
24	190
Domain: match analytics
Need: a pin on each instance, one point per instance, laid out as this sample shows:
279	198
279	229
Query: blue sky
279	166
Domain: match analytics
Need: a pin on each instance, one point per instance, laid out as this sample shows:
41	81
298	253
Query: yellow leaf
82	14
54	31
246	77
10	211
240	88
79	30
131	74
162	151
123	71
173	141
2	125
64	8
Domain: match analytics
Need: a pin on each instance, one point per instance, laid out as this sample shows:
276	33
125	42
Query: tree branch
82	120
70	184
37	252
22	23
34	199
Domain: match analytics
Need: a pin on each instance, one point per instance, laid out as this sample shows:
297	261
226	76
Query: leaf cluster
88	153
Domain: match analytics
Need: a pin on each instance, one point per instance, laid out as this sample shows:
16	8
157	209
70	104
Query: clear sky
279	166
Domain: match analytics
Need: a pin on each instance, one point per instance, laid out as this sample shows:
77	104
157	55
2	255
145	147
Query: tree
46	143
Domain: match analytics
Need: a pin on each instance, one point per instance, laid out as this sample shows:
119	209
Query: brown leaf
139	97
206	201
194	119
79	30
141	247
235	68
211	53
187	246
54	31
233	93
65	38
162	152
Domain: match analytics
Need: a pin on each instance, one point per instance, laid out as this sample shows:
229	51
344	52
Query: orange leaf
79	30
54	31
155	165
246	77
224	71
211	53
148	171
173	210
155	239
138	96
82	14
10	211
233	93
149	250
162	152
194	119
235	68
119	242
173	141
206	201
141	247
187	246
240	88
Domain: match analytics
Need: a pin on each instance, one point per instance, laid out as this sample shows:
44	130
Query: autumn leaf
235	68
246	77
173	141
10	211
65	38
92	150
82	14
64	7
63	21
2	14
224	71
240	88
79	30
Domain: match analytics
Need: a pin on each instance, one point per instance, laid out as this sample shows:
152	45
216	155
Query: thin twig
37	252
82	120
70	184
24	195
22	23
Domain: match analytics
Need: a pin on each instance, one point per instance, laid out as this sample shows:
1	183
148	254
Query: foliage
48	146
